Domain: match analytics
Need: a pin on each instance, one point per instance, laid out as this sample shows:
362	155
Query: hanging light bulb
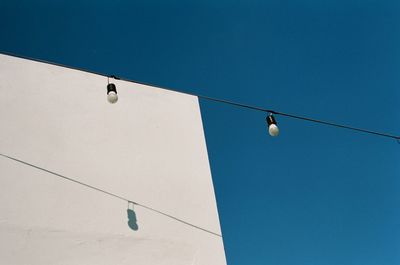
272	126
112	95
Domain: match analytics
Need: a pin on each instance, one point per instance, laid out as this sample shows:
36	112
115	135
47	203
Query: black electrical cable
109	194
396	137
301	118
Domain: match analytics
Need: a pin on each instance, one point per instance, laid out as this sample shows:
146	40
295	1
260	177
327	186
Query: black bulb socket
271	120
111	88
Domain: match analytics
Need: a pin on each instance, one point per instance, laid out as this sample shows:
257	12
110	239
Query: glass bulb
112	97
273	130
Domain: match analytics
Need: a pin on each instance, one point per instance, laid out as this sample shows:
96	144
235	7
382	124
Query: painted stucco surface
149	147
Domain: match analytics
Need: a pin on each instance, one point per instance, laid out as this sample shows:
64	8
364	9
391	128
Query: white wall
149	147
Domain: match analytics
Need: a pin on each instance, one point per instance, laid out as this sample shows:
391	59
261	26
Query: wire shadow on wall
132	220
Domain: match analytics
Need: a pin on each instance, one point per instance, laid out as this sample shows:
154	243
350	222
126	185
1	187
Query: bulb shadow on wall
132	220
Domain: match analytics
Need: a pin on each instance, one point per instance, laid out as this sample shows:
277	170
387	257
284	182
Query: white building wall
149	147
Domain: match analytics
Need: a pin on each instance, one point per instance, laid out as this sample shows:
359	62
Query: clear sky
313	195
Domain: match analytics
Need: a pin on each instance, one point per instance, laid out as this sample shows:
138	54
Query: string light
112	97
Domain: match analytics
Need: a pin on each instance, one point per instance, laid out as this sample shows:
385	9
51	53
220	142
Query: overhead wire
301	117
217	100
223	101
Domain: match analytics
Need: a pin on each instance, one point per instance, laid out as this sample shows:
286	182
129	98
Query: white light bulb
273	130
112	97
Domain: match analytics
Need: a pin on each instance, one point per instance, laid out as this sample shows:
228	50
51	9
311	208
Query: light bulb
112	97
273	130
272	127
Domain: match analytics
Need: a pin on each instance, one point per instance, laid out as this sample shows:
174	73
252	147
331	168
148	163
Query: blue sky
313	195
